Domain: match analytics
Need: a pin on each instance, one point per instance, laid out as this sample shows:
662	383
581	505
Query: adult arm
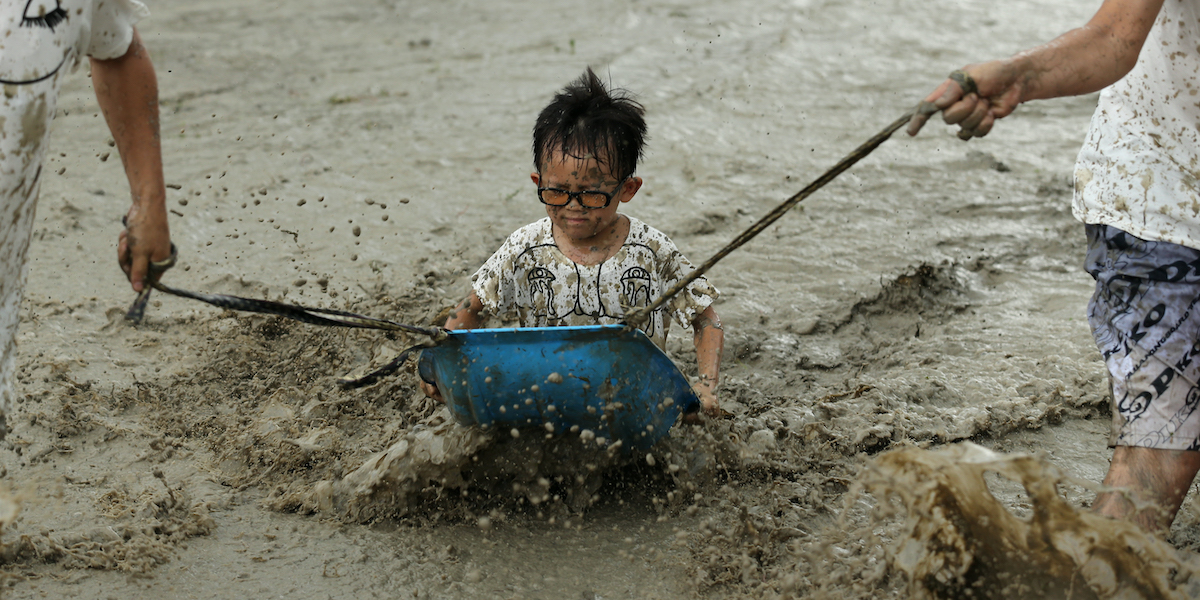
710	341
1080	61
127	90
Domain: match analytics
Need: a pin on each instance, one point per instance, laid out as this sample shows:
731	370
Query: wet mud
916	408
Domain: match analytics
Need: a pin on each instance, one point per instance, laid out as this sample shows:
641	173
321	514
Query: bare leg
1161	476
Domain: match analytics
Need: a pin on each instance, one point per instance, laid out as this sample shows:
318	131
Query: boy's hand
431	391
709	407
708	402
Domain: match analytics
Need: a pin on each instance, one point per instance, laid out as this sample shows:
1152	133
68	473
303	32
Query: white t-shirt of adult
41	41
529	280
1139	166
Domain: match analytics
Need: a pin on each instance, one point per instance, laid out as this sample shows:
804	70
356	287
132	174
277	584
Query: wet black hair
585	118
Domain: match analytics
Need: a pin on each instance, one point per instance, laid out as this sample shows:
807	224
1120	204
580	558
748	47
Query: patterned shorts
1145	316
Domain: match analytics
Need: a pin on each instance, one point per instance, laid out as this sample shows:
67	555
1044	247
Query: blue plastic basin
608	379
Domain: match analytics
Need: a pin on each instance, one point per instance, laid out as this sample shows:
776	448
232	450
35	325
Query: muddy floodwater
916	405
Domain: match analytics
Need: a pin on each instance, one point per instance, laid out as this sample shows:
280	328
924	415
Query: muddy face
581	226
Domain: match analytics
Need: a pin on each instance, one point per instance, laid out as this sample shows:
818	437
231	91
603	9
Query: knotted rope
316	316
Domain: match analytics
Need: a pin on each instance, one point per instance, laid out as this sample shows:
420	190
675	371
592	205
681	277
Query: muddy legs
1157	479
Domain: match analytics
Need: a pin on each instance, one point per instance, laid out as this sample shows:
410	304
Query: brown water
929	296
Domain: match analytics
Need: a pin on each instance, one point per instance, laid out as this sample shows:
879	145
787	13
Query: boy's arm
710	341
467	314
127	91
464	316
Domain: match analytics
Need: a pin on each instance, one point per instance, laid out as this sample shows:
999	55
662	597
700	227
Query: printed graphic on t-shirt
584	296
34	42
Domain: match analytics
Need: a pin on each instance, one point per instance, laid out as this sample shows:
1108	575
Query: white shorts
1145	317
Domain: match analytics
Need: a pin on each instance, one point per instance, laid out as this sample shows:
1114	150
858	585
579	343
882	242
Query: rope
316	316
638	316
305	314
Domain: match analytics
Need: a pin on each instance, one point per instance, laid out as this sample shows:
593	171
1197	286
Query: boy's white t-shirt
40	42
531	281
1139	167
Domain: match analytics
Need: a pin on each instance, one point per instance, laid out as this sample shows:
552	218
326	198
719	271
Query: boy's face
579	223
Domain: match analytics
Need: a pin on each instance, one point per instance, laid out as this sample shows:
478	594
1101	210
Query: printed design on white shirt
586	296
33	50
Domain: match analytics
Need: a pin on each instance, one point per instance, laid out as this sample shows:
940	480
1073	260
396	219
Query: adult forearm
1081	61
127	91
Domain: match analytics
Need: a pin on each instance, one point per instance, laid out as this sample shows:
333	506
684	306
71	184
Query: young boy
585	263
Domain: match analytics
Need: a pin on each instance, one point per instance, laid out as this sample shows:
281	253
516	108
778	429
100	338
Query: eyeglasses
587	199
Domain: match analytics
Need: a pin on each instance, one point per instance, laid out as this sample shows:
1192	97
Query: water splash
957	540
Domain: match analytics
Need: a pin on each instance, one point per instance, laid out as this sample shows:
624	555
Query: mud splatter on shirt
1138	168
531	281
